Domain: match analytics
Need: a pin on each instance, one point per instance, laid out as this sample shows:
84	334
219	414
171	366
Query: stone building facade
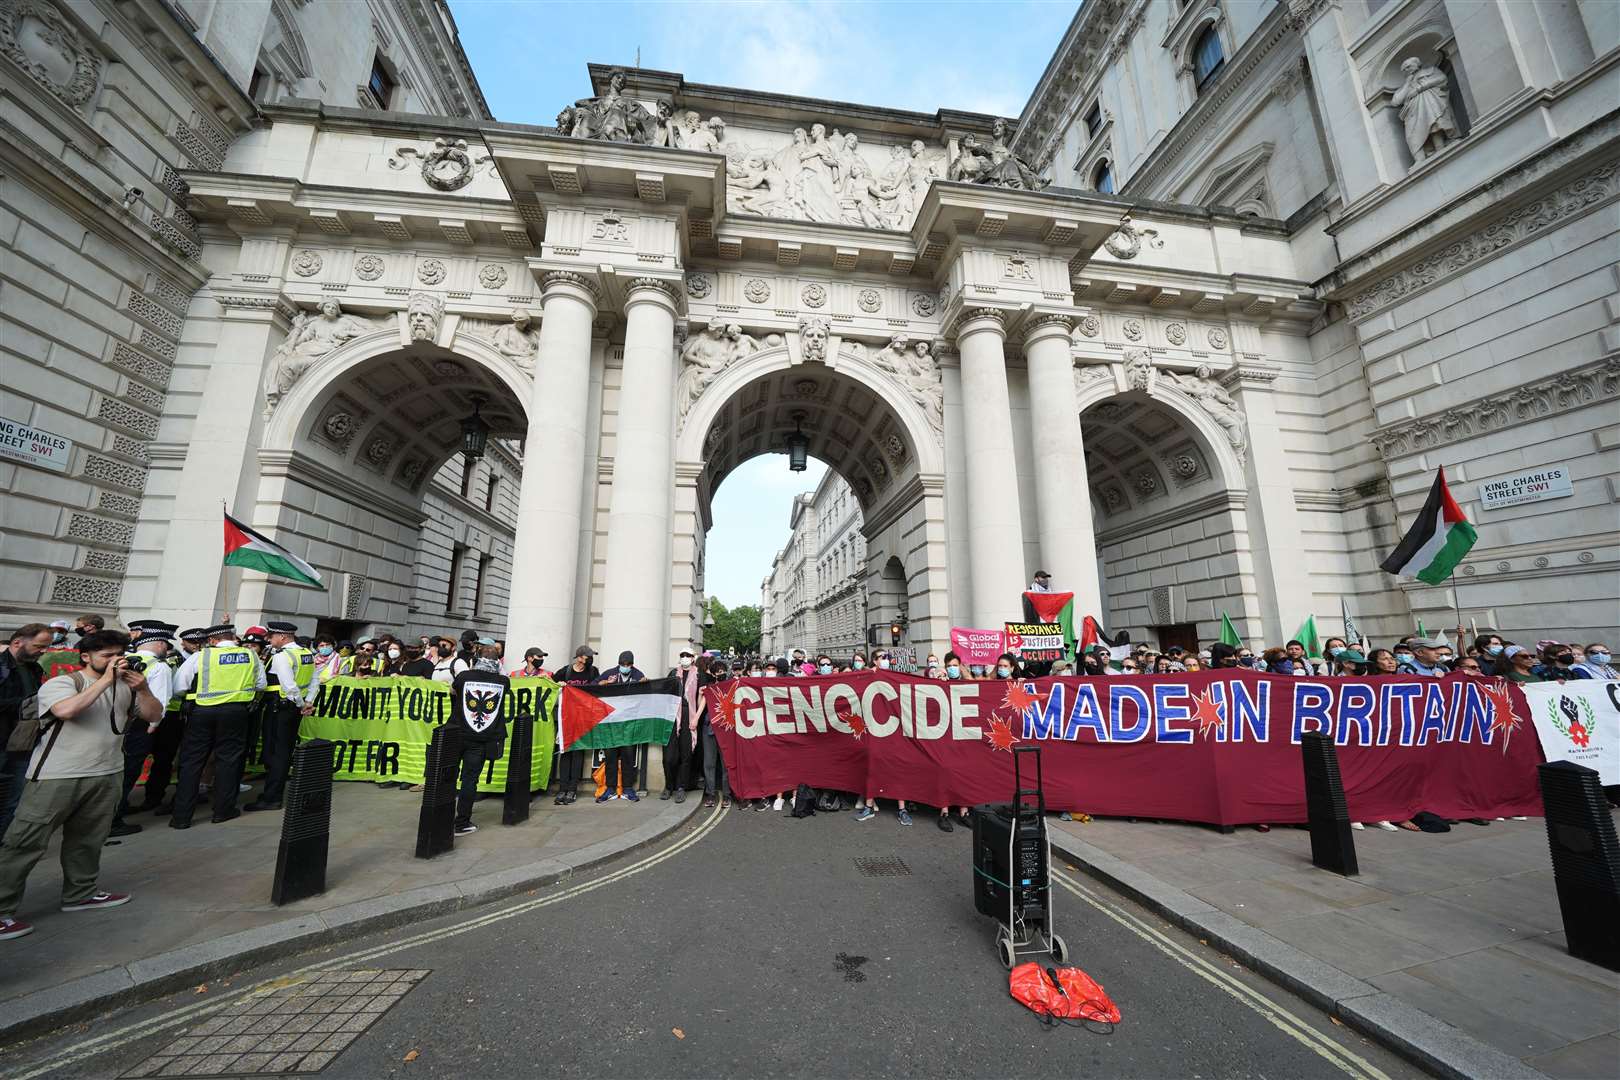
814	597
1337	243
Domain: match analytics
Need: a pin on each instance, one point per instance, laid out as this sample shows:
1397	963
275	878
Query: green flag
1422	633
1229	634
1306	636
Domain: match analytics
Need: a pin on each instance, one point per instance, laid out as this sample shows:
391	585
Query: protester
571	763
20	678
1598	662
74	776
534	665
476	697
1042	582
1520	665
683	739
486	655
619	762
328	661
714	765
85	625
1558	663
446	663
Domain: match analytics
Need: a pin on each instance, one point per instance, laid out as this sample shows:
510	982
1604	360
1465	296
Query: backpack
1058	995
804	801
829	802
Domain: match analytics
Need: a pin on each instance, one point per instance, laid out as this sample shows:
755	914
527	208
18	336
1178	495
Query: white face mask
884	664
686	661
393	654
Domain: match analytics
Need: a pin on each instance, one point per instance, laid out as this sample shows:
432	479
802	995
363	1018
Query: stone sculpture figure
516	340
311	337
613	117
911	363
423	312
1006	169
666	131
1424	101
705	356
1210	396
818	175
814	333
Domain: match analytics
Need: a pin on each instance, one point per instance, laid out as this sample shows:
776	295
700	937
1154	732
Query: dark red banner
1218	747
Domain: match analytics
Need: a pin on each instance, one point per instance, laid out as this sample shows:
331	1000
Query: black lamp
798	445
474	431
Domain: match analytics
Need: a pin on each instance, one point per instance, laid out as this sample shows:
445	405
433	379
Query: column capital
980	320
567	282
257	307
1249	377
651	290
1043	325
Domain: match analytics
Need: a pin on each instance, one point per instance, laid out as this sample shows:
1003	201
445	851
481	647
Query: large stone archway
865	426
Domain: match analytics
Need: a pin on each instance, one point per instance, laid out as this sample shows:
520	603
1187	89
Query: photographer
74	777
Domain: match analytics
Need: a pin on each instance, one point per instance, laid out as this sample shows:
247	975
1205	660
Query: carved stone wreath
431	272
492	276
699	285
757	290
1176	333
870	300
379	450
307	263
1147	483
368	267
1217	338
806	388
814	295
339	427
53	54
1185	465
448	166
1133	329
924	305
1090	325
896	447
411	471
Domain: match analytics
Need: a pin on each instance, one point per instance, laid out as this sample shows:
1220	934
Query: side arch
1216	443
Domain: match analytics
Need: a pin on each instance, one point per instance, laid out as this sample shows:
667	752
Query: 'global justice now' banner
1219	747
382	726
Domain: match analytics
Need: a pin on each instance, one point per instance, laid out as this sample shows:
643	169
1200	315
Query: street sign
1535	485
35	446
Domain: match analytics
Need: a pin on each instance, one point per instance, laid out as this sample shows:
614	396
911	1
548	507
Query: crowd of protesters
192	706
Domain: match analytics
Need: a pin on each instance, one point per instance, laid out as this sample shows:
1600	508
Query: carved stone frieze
994	163
1212	398
431	271
704	356
1531	401
310	338
492	276
37	37
447	166
699	286
911	363
1126	241
307	263
369	267
1138	369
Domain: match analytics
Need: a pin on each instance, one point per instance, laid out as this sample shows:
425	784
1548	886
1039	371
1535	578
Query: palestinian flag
255	551
1052	607
1437	540
617	714
1092	633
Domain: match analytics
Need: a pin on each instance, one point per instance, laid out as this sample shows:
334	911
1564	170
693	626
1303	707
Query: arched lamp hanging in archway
474	431
798	446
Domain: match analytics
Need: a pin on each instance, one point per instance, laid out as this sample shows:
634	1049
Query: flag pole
1456	606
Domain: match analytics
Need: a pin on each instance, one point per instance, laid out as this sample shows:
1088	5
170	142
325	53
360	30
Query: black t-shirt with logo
476	699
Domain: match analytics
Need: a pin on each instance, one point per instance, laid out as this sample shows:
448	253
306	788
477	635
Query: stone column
635	603
1063	498
546	535
1360	157
1276	537
994	532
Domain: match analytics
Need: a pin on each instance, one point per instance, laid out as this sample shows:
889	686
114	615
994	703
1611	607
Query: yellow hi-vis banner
382	726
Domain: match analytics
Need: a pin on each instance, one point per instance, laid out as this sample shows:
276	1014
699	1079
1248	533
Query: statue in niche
1214	400
705	356
814	333
613	117
912	365
1424	101
311	337
516	340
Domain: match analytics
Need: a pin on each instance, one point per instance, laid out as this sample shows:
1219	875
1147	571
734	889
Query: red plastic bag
1075	995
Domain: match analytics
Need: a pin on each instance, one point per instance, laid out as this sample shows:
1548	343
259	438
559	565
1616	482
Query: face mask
953	672
624	670
755	674
1597	658
1403	657
1565	658
1494	650
857	665
58	637
883	664
825	669
686	661
445	650
1003	671
393	654
770	673
324	650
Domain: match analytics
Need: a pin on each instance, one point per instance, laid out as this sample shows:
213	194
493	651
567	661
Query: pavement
742	944
1447	946
202	896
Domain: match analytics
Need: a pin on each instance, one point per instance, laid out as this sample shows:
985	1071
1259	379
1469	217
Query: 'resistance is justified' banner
381	727
1219	747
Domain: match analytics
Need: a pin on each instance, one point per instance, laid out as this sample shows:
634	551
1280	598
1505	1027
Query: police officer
166	742
292	674
148	650
227	678
257	638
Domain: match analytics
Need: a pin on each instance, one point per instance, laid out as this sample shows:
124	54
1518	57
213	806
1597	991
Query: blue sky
530	59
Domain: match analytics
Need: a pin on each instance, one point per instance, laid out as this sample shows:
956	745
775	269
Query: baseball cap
627	657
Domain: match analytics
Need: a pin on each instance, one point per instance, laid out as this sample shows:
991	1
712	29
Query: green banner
382	726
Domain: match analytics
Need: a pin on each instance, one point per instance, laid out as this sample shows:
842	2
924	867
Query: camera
135	662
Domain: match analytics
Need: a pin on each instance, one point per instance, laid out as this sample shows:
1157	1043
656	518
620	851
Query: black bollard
436	828
1586	860
306	824
1332	845
519	766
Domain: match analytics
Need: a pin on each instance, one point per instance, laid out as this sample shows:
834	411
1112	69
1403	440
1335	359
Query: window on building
458	558
467	470
259	85
1103	179
478	584
381	84
1094	118
1208	57
489	493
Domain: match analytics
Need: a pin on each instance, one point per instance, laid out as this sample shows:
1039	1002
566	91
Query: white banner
1578	721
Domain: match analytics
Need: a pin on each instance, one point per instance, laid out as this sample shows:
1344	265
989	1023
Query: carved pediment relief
39	38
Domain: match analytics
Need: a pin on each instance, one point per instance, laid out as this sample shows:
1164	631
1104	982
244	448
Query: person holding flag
1438	540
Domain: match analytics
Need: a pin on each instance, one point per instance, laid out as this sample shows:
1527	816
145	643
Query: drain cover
887	867
297	1028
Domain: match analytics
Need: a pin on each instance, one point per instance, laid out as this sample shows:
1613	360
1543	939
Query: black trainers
680	794
123	828
665	797
256	805
945	823
463	830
